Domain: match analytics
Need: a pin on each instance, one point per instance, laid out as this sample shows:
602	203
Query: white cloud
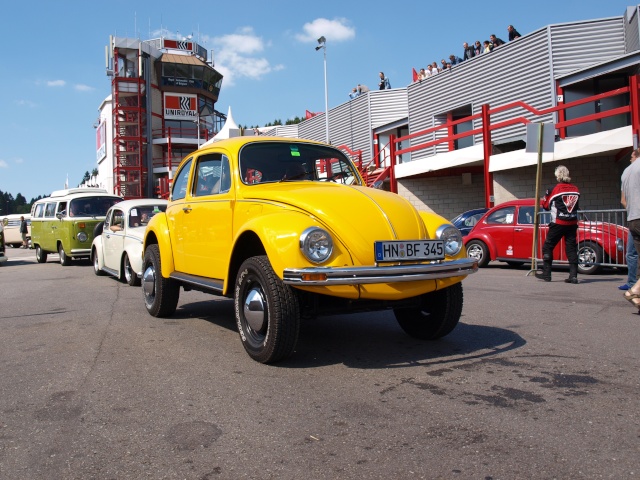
83	88
337	30
56	83
237	55
3	164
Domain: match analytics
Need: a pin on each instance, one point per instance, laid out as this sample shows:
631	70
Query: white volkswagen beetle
117	244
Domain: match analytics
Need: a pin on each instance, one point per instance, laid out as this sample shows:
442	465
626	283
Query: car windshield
91	206
285	161
139	216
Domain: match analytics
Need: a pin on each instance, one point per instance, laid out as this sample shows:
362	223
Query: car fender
487	240
158	232
97	247
133	249
275	231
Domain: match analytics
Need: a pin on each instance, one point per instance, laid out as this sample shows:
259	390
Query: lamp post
322	44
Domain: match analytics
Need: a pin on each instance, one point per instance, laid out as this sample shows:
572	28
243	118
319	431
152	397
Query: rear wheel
65	260
41	255
589	254
129	275
160	294
436	316
267	311
477	250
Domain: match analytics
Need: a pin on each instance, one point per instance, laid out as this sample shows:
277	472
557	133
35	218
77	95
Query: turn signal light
316	277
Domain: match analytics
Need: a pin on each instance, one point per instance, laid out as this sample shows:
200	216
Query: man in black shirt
513	33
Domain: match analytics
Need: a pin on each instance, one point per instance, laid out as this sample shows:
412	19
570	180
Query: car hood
357	215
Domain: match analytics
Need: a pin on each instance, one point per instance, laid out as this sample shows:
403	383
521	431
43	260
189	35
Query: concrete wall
446	196
598	179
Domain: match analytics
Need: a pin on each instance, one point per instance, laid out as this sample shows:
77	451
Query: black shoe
573	280
542	276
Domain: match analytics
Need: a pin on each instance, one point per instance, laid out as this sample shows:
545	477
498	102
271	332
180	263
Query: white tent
230	129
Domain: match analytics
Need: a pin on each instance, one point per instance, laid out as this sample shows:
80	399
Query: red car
505	233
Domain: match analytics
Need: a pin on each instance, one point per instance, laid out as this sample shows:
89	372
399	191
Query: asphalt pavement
539	380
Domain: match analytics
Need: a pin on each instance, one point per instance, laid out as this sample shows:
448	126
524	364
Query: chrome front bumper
390	274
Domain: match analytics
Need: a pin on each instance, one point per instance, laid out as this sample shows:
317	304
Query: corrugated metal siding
288	131
388	106
632	32
579	45
516	71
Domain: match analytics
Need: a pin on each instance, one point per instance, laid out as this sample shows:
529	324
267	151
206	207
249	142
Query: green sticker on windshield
294	151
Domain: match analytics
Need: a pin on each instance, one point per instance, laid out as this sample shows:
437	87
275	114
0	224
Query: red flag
415	75
308	114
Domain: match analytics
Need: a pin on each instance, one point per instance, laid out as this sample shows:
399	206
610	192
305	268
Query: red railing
633	108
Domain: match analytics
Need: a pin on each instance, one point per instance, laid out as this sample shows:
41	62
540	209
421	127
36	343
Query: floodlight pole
322	44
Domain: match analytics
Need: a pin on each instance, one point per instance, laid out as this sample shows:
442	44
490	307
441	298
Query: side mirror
378	184
61	214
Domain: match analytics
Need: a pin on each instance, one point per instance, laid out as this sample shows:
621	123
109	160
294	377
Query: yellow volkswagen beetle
288	229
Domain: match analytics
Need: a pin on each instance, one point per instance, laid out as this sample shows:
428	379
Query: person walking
632	253
631	193
563	202
23	232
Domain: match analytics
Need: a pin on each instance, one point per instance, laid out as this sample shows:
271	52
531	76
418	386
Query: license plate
409	250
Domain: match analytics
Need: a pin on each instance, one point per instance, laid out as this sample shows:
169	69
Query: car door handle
518	229
186	209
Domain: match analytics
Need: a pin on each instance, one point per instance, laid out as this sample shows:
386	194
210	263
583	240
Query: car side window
39	211
117	221
50	210
525	215
207	175
503	216
179	190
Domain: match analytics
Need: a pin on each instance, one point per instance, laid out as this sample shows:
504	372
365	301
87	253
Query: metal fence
602	239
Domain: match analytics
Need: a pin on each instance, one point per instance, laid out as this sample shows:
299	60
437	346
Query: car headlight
316	244
82	237
620	244
451	237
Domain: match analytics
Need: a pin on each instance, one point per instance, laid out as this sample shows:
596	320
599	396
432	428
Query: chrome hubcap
254	310
149	283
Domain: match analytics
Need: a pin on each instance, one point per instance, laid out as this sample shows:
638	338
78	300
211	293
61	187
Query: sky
52	65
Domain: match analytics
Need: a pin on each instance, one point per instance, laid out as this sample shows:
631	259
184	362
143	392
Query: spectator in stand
384	82
422	75
362	88
354	93
430	71
495	41
453	60
477	48
513	33
469	52
448	66
486	46
435	68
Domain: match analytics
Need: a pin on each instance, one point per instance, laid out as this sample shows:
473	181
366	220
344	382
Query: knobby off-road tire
267	312
437	315
160	294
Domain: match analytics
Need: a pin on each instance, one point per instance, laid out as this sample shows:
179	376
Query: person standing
631	192
632	253
384	82
562	200
23	232
469	52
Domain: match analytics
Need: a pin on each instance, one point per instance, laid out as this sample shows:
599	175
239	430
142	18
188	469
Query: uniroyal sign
180	106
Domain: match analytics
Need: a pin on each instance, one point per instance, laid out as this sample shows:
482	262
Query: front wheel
267	311
160	294
96	263
589	258
41	255
477	250
129	274
65	260
436	316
